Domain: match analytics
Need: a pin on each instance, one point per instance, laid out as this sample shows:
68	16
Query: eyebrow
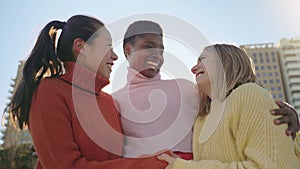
152	43
201	57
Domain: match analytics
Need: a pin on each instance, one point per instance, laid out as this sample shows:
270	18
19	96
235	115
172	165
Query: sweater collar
83	78
134	77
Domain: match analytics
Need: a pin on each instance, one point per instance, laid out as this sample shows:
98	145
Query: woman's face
145	54
203	71
99	55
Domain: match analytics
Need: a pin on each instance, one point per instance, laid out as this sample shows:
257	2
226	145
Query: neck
205	91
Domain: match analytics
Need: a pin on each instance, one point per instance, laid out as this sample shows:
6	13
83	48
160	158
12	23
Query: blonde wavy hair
234	68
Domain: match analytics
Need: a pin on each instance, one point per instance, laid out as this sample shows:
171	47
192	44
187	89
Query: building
12	135
289	50
267	67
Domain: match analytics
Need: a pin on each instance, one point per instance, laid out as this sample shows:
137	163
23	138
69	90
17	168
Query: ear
78	45
127	50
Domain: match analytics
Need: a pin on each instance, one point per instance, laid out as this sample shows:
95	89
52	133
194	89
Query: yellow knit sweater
245	136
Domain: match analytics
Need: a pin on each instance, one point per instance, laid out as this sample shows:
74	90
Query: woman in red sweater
61	103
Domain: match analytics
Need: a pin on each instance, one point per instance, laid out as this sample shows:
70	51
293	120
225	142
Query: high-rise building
267	67
12	135
289	50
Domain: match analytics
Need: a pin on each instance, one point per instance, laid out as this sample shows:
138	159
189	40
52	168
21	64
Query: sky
230	21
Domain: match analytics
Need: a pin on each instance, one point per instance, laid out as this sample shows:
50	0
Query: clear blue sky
232	21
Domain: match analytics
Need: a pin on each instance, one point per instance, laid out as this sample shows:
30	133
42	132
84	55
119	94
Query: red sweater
74	125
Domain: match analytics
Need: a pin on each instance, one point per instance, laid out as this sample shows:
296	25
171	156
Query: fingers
284	109
292	129
165	157
174	155
288	116
291	133
161	151
168	159
284	119
280	111
279	103
288	113
282	104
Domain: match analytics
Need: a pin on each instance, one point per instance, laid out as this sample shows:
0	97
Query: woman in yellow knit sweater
234	129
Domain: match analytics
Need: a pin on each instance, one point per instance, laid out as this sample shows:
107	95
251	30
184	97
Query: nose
194	69
157	53
114	56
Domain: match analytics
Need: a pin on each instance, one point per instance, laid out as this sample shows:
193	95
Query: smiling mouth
109	65
199	73
153	65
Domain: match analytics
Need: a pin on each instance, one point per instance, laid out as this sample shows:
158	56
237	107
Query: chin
204	89
149	74
201	86
105	75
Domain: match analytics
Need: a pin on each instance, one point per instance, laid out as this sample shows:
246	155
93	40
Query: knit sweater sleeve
52	134
297	145
259	143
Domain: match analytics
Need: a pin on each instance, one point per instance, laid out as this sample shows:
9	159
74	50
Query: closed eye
201	58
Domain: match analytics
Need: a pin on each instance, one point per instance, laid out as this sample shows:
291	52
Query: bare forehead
205	52
103	35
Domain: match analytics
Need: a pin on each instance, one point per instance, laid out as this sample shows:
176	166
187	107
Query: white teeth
152	63
109	66
199	74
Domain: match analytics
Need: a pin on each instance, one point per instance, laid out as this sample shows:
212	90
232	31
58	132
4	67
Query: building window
280	96
271	81
264	74
261	58
279	88
267	57
276	73
275	66
277	80
273	57
257	74
256	68
270	74
262	68
254	55
269	67
265	82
